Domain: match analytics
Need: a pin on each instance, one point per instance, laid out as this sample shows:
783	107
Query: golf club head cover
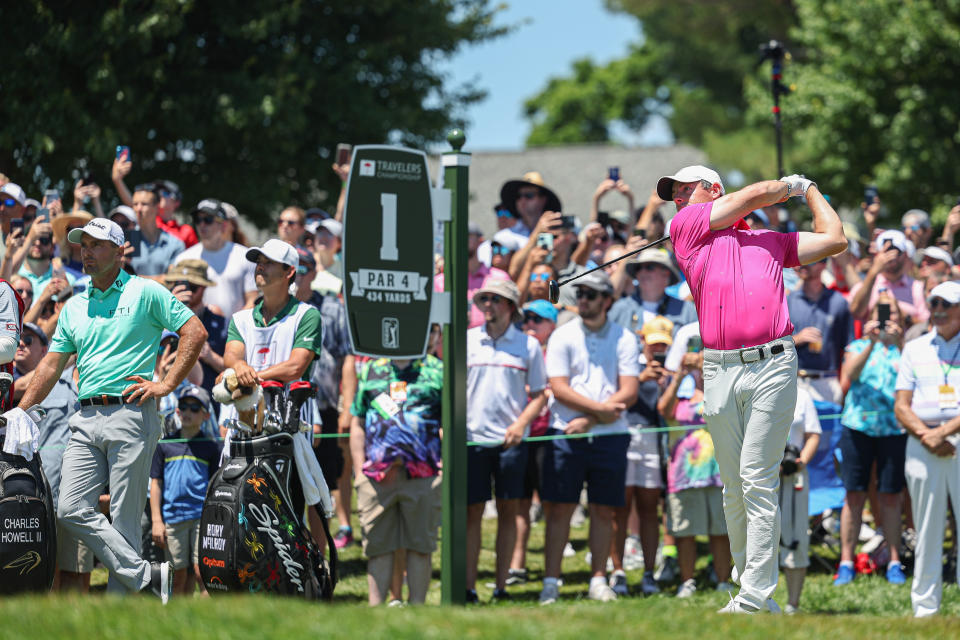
221	393
297	394
246	401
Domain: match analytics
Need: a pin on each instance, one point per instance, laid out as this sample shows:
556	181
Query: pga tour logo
368	167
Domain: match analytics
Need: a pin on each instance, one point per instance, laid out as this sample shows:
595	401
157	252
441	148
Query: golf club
554	286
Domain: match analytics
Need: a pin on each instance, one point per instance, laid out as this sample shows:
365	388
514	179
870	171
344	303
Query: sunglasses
528	195
167	194
504	213
292	223
499	250
940	302
532	317
44	240
190	406
648	266
27	340
9	202
492	298
25	292
589	294
206	219
539	276
152	188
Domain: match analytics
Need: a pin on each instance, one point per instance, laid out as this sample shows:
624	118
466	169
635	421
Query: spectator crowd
593	406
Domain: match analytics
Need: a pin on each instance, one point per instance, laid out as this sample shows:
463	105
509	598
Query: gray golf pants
114	445
748	408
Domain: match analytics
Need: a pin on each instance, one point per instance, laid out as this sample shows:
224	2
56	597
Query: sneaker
395	604
735	606
726	587
618	582
500	595
549	594
516	576
632	554
687	589
161	580
536	513
579	517
866	532
601	591
773	607
845	575
895	574
472	597
669	570
791	610
569	552
343	538
649	586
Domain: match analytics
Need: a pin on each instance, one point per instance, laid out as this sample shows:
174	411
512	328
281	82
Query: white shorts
643	460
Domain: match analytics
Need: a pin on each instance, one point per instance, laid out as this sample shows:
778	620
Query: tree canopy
237	100
876	100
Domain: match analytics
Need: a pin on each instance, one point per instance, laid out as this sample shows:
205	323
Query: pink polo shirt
736	278
907	292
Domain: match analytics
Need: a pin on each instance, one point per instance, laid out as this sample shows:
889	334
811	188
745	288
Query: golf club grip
623	257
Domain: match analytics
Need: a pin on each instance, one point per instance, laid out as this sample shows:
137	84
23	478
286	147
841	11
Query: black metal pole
777	87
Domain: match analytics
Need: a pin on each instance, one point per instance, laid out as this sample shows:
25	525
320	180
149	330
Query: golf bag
252	534
28	525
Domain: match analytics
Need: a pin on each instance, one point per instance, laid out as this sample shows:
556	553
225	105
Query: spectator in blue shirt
871	434
823	327
181	470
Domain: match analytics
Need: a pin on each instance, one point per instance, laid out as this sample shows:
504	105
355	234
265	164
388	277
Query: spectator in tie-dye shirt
694	489
395	446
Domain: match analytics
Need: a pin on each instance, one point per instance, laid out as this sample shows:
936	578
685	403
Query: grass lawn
869	608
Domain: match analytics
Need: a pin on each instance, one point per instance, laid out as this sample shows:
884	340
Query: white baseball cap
15	191
949	291
897	239
276	250
126	212
334	227
99	228
936	253
687	174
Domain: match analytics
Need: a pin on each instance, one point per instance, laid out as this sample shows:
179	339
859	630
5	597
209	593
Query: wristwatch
789	187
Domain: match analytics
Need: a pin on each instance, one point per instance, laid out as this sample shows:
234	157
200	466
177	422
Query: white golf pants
748	408
929	479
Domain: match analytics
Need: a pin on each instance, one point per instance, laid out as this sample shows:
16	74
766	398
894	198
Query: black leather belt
815	375
101	401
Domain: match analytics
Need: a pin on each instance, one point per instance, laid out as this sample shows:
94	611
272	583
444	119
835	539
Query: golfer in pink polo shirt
750	362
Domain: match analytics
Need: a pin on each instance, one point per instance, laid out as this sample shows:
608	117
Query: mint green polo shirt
116	333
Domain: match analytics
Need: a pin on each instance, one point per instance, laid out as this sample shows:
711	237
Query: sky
549	37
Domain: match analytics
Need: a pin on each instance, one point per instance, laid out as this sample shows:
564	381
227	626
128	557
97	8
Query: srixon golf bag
28	525
252	534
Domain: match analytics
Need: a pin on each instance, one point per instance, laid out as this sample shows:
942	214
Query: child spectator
179	476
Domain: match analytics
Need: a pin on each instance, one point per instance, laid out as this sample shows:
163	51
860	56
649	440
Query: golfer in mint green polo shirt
114	329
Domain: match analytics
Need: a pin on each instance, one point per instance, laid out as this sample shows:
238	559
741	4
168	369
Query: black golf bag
28	525
252	534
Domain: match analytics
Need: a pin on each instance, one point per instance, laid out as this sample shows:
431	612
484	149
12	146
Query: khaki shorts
72	554
794	522
696	512
402	514
182	542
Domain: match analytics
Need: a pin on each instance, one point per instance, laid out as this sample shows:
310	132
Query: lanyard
949	364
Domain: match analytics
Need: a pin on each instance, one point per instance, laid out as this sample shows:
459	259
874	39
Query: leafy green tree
234	99
877	100
689	67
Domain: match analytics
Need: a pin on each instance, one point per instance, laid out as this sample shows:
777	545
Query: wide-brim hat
193	271
61	222
508	192
654	256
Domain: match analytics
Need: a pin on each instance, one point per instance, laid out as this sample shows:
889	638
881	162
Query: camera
789	465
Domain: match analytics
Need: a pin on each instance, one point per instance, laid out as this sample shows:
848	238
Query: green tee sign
388	252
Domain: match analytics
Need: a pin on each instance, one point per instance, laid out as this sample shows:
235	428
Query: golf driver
554	286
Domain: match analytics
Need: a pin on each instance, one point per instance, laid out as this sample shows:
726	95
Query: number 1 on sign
388	243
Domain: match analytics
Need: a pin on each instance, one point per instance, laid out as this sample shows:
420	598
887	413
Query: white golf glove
798	184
